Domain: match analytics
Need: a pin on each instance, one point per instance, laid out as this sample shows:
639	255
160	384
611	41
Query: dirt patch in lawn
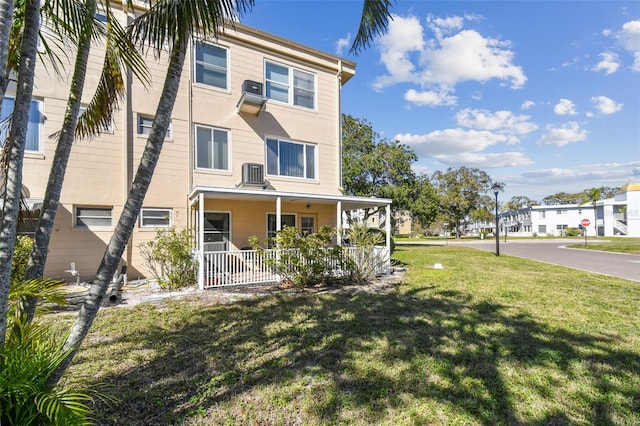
148	292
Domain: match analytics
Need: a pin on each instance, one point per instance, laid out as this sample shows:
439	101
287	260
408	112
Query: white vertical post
387	227
201	241
339	223
278	214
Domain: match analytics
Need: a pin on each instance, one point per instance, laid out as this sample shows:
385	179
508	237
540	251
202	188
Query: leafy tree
119	53
15	154
562	198
374	167
518	202
424	201
460	192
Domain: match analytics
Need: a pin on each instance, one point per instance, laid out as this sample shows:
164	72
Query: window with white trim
285	220
307	225
144	126
93	217
212	148
34	128
155	218
290	85
292	159
211	65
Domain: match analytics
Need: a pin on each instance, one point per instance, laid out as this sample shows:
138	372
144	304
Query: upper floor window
34	127
212	148
211	65
288	158
290	85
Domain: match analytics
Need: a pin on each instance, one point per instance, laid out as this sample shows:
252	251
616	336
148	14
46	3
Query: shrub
28	358
169	258
573	232
21	254
366	260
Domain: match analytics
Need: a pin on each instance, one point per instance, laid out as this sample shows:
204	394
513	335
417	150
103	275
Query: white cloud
504	122
468	56
463	147
565	107
606	105
486	161
342	44
429	98
453	56
629	38
560	136
609	63
527	104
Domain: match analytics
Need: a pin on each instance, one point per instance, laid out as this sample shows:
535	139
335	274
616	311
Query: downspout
339	138
127	143
191	142
339	126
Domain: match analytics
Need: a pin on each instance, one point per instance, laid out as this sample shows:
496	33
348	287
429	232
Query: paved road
554	251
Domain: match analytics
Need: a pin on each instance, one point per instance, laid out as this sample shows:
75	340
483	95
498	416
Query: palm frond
376	15
166	20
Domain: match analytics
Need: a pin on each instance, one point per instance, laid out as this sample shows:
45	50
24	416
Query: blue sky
543	96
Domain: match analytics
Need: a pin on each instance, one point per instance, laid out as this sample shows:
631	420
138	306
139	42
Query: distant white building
617	216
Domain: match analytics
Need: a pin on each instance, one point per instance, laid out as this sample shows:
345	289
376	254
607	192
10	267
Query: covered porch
226	218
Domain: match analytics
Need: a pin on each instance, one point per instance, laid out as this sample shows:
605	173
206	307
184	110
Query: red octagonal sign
586	222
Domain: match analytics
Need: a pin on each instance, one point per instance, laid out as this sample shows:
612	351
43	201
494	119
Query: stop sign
585	222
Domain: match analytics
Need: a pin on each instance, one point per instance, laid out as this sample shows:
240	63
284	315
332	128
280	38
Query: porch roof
347	202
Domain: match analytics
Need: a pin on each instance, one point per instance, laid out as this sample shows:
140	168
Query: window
280	80
542	229
211	65
217	234
542	214
155	218
90	217
212	148
34	128
144	126
307	225
288	158
285	220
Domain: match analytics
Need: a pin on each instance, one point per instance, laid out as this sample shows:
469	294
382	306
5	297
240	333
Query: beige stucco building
254	143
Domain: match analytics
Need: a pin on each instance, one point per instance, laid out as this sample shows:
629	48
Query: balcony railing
247	267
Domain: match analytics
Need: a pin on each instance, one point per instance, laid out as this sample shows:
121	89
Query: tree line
375	166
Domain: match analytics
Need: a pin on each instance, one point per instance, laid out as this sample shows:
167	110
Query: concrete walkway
619	265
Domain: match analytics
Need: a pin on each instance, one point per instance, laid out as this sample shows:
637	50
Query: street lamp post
497	187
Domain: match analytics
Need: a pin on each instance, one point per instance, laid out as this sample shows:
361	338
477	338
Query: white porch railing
246	267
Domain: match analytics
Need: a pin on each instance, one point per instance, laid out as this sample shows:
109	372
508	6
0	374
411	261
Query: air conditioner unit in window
253	87
252	100
252	174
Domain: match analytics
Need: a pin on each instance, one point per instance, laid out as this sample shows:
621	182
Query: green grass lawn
619	245
486	340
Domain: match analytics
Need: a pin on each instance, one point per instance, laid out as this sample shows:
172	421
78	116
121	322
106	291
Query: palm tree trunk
127	221
38	257
17	141
6	19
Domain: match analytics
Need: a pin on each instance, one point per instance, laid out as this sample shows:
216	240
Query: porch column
339	223
201	241
387	227
278	214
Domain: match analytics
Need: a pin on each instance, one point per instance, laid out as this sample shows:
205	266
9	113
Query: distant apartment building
617	216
